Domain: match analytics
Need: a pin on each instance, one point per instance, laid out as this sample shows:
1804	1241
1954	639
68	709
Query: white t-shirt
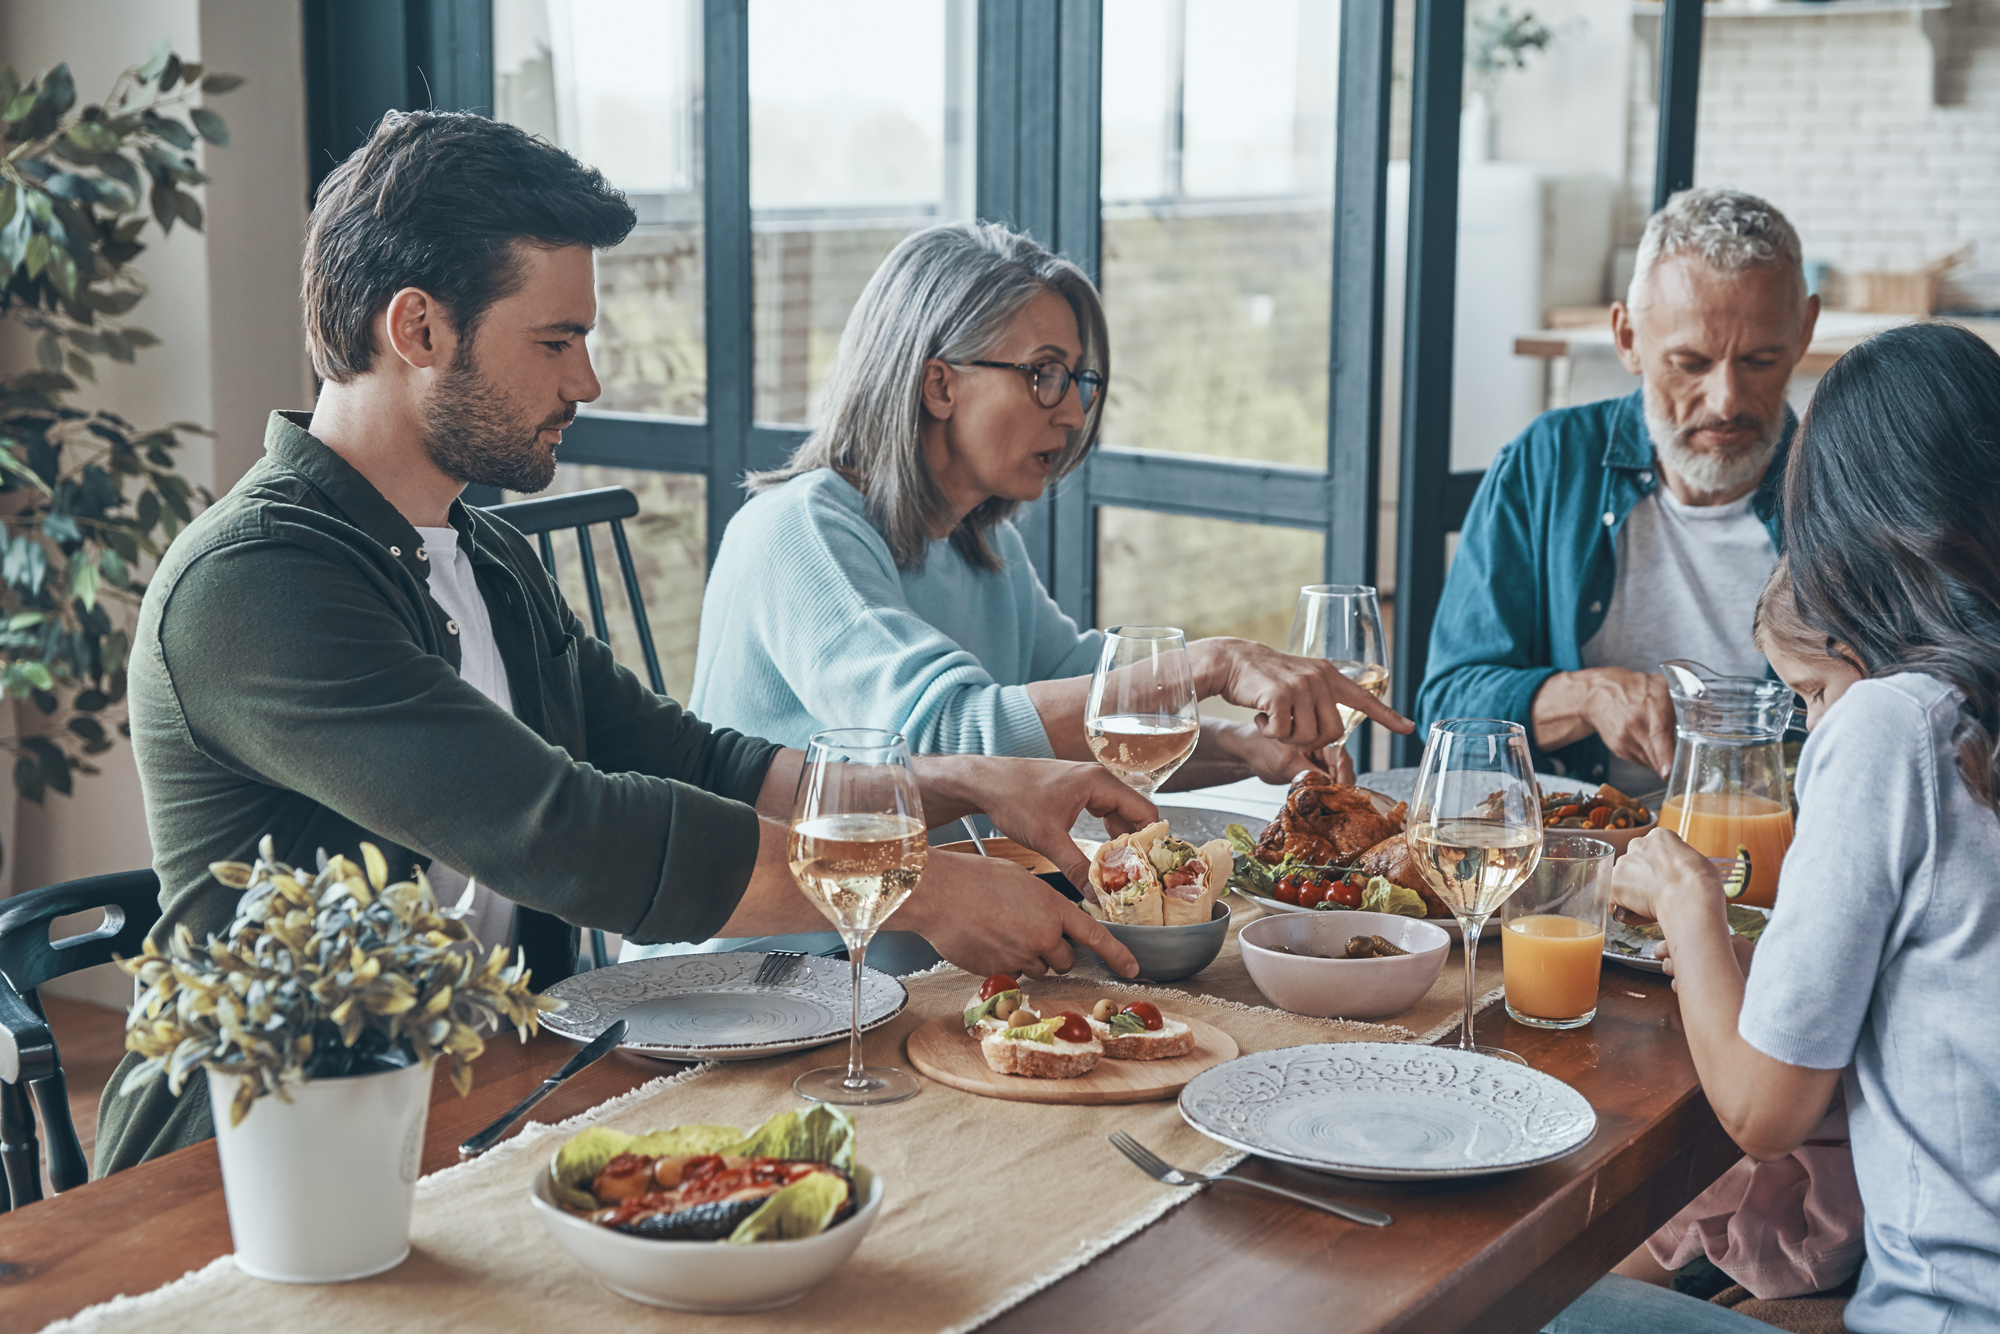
453	587
1688	580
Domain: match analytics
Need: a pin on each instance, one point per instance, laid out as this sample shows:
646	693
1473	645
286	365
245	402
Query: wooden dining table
1498	1253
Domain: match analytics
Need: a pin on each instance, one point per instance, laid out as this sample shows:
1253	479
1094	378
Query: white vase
1478	130
320	1189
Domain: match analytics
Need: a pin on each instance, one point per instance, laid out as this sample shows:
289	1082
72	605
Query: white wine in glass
1475	830
1140	719
1342	624
857	849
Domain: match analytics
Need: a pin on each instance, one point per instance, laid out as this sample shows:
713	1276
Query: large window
1257	185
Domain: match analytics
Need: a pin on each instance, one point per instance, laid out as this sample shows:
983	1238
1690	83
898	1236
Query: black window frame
1039	68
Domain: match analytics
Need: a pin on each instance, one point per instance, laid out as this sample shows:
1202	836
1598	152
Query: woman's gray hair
1728	229
948	293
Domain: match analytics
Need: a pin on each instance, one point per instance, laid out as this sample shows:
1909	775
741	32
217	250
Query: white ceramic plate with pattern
703	1007
1388	1111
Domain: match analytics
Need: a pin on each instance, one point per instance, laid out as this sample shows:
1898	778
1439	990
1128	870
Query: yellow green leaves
318	973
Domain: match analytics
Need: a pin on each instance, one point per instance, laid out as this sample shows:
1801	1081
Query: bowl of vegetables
1606	813
712	1219
1340	964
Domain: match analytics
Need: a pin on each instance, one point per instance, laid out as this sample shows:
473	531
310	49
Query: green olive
1005	1006
1103	1010
1023	1018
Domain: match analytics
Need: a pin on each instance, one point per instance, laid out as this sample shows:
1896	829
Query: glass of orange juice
1552	933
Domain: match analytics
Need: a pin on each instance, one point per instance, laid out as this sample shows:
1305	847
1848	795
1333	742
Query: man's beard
1713	472
470	434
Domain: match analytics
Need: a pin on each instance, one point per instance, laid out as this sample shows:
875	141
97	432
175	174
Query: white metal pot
320	1189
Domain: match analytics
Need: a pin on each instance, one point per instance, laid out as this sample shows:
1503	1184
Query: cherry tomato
996	984
1114	879
1345	893
1075	1028
1287	890
1148	1014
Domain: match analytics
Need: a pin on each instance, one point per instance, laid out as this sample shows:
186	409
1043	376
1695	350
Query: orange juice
1717	824
1551	965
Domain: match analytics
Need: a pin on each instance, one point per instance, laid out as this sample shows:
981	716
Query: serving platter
1389	1111
704	1007
942	1050
1632	944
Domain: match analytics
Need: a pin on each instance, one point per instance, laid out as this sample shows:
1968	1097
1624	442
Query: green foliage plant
321	976
1499	40
88	500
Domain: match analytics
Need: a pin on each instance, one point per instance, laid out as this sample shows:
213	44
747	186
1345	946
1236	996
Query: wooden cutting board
942	1050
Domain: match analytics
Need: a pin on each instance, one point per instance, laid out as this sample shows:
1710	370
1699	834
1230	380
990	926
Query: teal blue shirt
1537	560
808	624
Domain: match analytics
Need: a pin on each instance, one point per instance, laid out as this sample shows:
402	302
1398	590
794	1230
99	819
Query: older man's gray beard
1708	472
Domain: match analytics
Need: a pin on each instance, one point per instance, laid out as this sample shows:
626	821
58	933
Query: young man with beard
341	651
1611	537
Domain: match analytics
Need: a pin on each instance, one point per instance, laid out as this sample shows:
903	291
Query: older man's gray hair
1728	229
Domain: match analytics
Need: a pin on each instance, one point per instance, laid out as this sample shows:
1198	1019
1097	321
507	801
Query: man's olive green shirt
292	676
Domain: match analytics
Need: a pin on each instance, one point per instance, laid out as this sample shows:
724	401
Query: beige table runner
952	1163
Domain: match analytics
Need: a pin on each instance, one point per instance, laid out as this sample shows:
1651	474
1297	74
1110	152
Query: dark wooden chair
31	1077
580	511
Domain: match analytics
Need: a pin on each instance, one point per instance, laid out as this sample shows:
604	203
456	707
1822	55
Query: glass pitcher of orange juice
1727	795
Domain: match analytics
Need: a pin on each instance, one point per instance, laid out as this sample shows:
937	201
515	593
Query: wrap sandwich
1152	878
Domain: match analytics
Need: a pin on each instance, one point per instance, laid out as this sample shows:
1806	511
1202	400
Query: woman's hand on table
988	916
1297	699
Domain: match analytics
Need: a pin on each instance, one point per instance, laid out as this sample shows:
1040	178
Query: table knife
599	1045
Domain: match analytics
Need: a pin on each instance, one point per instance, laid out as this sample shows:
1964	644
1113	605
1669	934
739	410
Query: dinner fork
1160	1170
778	968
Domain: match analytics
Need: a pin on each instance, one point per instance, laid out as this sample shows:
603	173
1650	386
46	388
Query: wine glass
1342	623
857	849
1475	829
1140	720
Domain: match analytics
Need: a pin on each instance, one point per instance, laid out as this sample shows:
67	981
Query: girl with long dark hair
1880	969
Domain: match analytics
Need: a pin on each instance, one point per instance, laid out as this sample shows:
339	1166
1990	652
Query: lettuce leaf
1383	896
802	1209
820	1134
1122	1024
1043	1032
984	1009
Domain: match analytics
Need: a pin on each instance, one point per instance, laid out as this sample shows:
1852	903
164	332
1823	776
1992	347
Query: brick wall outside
1831	118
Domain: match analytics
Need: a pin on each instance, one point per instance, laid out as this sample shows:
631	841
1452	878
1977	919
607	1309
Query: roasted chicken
1391	860
1326	823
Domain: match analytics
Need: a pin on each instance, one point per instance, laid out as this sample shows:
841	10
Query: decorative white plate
1388	1111
1633	945
1196	824
702	1007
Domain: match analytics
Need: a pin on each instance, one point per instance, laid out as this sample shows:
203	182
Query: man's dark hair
438	200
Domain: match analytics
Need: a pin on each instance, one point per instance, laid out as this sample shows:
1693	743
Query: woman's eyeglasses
1049	380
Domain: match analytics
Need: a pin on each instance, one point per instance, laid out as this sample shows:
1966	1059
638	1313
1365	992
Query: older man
1611	537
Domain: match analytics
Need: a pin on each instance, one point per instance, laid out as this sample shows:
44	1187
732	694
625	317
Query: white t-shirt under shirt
1687	586
1882	959
453	588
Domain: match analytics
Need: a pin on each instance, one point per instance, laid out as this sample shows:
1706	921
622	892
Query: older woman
875	581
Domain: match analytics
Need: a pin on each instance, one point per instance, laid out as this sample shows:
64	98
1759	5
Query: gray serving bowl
1170	953
1293	959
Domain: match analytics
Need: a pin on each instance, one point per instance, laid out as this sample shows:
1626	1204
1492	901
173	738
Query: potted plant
1495	42
317	1017
88	500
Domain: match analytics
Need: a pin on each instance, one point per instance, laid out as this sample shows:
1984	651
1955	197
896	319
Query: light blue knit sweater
808	624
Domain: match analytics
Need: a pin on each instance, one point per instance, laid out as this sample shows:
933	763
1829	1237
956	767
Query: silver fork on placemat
1160	1170
778	968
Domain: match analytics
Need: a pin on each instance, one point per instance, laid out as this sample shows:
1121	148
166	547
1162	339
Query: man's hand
1036	802
1297	699
1230	750
990	916
1631	711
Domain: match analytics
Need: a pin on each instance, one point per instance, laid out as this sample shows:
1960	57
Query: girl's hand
1743	945
1659	874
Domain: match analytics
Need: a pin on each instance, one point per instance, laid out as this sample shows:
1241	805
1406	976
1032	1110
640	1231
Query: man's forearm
952	786
1559	715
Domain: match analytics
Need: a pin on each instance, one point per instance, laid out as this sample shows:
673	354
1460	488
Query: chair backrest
579	510
30	1065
